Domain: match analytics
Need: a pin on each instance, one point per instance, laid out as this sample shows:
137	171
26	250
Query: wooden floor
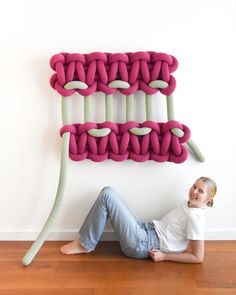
108	271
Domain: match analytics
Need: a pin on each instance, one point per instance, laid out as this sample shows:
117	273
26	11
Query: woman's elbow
199	259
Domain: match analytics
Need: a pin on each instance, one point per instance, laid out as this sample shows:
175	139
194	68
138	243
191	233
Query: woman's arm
195	256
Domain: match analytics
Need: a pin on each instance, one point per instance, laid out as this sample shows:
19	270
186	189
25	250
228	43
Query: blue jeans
136	238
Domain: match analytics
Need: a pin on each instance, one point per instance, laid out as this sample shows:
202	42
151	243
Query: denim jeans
136	238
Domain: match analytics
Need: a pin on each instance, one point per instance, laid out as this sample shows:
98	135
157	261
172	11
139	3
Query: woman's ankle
73	247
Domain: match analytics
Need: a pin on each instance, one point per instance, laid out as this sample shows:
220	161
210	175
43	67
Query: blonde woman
161	240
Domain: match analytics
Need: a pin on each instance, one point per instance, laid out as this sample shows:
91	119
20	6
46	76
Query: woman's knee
108	193
107	189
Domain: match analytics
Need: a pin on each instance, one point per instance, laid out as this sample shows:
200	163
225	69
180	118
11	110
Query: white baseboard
68	235
226	234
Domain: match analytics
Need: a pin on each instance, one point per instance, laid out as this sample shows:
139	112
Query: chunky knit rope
120	144
98	69
127	73
109	73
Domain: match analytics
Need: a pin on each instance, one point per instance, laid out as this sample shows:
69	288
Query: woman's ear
210	201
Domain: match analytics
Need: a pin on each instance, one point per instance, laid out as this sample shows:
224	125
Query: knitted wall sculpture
109	73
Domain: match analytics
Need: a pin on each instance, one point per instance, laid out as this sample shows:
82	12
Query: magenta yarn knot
160	145
98	69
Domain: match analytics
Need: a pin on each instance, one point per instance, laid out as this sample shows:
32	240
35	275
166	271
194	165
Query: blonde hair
211	188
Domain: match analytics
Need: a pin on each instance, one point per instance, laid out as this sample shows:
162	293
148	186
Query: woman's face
198	194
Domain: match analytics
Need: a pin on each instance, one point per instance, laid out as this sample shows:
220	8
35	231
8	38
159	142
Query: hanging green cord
149	111
129	108
170	107
108	110
129	98
109	107
29	256
176	131
87	108
170	115
57	204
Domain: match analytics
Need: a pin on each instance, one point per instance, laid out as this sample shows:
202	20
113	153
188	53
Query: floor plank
108	271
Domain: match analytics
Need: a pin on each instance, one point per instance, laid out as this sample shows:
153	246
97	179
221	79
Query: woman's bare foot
73	248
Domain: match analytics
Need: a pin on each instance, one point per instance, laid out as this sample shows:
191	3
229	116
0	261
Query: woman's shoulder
193	212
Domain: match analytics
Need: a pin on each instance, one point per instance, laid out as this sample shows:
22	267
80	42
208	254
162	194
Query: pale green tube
196	150
29	256
129	99
191	144
170	107
129	107
148	103
87	108
170	115
109	107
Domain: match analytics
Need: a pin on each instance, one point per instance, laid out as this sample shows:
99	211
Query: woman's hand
157	255
196	254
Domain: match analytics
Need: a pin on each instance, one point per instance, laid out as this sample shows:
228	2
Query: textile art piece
111	73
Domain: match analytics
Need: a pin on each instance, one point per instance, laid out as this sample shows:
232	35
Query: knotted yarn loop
170	125
98	69
169	59
160	145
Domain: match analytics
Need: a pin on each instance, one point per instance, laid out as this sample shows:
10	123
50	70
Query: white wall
201	34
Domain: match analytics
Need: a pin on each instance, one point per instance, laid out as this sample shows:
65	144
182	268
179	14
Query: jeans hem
85	245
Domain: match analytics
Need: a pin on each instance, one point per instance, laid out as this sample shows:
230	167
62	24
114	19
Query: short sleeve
195	227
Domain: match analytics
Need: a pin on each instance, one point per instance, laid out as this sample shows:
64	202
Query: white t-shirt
179	226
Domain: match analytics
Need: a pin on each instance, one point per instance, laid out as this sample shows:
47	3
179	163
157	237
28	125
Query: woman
164	240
